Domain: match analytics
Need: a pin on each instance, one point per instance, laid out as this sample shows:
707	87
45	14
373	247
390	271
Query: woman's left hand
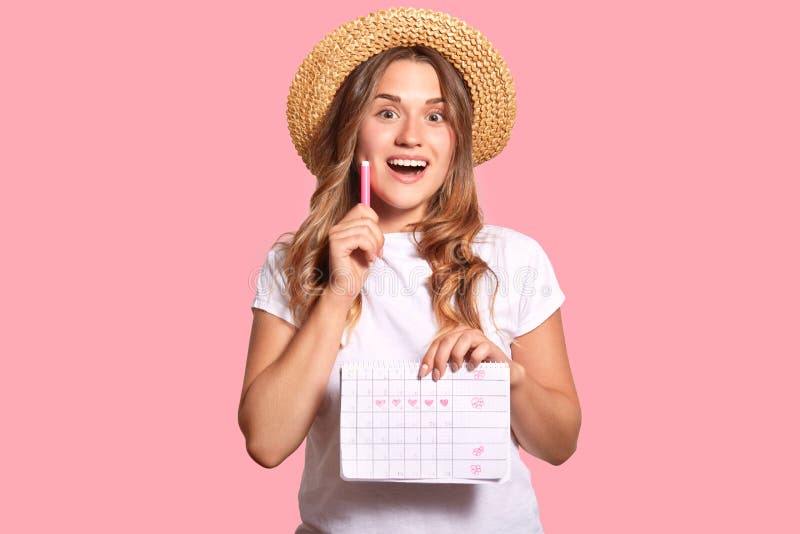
463	343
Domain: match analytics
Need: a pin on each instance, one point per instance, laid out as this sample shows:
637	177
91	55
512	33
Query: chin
405	206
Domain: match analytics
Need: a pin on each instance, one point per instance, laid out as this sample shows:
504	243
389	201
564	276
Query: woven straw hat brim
341	51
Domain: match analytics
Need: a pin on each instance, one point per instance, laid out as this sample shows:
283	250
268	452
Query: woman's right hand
354	244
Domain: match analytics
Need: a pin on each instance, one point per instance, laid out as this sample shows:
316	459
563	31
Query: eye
387	114
436	116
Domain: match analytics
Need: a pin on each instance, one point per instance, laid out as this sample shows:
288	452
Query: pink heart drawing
477	402
396	402
475	469
412	402
443	402
480	374
428	402
477	451
380	402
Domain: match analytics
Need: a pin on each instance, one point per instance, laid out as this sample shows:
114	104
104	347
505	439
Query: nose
408	134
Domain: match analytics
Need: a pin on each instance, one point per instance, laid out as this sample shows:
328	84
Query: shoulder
277	254
273	270
512	244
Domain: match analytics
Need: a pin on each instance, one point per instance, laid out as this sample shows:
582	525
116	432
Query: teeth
408	162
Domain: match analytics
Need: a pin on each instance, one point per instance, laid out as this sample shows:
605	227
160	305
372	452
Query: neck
392	219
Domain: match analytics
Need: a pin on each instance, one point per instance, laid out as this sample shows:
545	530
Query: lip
410	179
408	156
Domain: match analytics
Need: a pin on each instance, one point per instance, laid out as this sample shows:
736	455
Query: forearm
545	422
281	403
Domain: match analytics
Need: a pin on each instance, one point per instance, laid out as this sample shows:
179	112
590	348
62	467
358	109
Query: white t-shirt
397	322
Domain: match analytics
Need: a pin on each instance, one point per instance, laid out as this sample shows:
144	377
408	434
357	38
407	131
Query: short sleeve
271	293
534	284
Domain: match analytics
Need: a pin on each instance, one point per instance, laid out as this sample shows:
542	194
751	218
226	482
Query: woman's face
408	142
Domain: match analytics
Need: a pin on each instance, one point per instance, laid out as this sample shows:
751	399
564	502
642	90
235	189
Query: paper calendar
396	427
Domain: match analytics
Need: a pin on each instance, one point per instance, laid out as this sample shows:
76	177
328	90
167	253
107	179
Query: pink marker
365	182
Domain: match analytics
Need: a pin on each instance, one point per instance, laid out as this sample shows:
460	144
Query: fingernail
423	370
453	366
470	366
436	374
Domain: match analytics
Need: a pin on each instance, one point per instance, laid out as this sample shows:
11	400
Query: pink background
146	168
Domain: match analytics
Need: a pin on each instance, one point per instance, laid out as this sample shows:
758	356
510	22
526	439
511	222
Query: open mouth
407	167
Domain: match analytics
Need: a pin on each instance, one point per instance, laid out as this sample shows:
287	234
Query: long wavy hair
453	217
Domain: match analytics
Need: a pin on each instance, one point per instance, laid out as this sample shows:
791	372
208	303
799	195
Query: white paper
395	427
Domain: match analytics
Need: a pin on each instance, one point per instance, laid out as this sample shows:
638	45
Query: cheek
371	137
362	140
445	142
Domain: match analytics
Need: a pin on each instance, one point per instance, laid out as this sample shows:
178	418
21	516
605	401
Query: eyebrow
395	98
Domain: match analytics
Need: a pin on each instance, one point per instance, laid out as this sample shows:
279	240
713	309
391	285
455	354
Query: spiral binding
364	364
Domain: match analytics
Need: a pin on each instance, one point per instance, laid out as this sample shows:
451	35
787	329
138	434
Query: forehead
410	80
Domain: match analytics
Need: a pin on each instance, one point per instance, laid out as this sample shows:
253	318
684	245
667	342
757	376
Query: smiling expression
408	141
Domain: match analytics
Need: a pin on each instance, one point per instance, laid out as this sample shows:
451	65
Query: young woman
417	275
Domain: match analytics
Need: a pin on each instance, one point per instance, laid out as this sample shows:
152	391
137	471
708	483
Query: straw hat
342	50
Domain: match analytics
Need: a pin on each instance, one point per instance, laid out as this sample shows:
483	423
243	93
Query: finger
361	210
427	361
346	245
371	225
354	221
479	354
377	232
460	349
442	354
367	212
356	237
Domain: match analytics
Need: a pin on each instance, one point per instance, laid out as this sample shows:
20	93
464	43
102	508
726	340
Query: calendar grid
373	424
404	429
398	427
